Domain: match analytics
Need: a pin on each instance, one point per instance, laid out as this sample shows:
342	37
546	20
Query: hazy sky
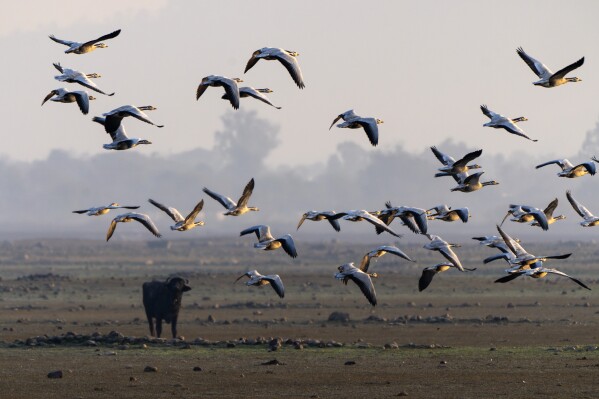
422	67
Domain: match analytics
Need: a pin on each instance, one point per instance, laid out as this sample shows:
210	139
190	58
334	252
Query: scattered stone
411	304
151	369
350	363
211	319
231	345
402	393
132	379
273	362
492	348
392	345
443	362
55	374
197	368
510	305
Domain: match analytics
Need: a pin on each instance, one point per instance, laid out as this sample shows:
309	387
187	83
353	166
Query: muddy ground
462	337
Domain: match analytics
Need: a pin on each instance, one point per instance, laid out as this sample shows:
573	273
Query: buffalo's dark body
162	301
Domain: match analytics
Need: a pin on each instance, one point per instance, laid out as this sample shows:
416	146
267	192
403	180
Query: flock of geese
519	261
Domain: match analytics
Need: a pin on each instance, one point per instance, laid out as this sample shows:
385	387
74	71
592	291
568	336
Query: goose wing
232	91
419	216
564	71
105	37
334	223
194	213
292	66
224	201
364	281
201	88
550	208
538	215
365	263
276	283
86	82
82	99
247	192
409	222
395	251
65	42
468	157
250	91
82	211
371	128
252	61
490	114
511	243
463	214
146	221
448	253
377	222
288	245
515	129
129	110
589	166
49	96
509	277
472	179
559	273
335	120
504	255
537	67
443	158
302	220
171	212
578	207
555	161
262	232
426	278
111	228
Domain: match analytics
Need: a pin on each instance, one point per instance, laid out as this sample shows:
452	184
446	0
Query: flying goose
548	78
445	213
73	76
181	223
102	210
538	272
523	258
62	95
268	243
114	118
589	219
361	215
87	47
239	208
471	183
129	217
363	280
380	251
549	214
230	86
285	57
318	216
414	218
120	140
429	272
453	167
526	213
255	93
438	244
569	170
499	121
258	279
495	242
353	121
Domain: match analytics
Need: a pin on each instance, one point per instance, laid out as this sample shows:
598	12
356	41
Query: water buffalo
162	301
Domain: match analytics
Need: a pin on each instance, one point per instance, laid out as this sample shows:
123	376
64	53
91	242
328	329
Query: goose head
520	119
264	90
147	108
91	98
50	95
93	75
490	183
237	80
379	121
100	45
144	141
473	166
574	79
292	53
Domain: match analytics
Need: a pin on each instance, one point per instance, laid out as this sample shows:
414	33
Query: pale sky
422	67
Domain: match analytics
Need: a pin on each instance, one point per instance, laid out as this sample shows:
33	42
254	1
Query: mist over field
42	194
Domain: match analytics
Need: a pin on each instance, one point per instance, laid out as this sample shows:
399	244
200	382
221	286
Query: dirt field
463	337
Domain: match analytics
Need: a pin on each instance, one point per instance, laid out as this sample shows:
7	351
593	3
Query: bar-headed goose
538	272
181	223
590	220
548	78
471	183
549	214
254	93
229	84
130	217
413	218
362	215
268	243
82	48
235	209
61	95
495	242
120	140
102	210
258	279
429	272
499	121
569	170
318	216
445	213
353	121
114	118
453	167
285	57
73	76
380	251
526	214
439	244
363	280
